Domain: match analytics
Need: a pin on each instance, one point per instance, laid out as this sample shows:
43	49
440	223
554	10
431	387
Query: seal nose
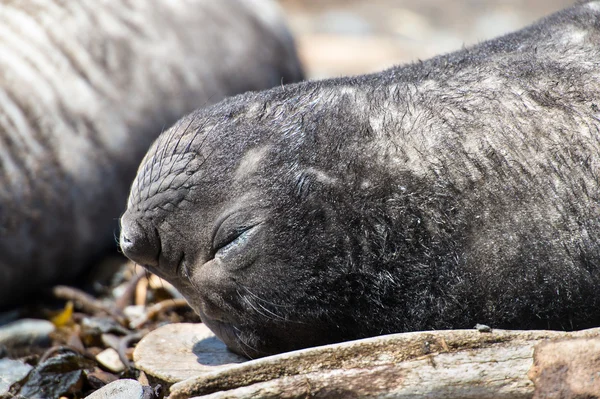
141	245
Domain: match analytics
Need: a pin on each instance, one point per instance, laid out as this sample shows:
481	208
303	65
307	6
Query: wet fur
459	190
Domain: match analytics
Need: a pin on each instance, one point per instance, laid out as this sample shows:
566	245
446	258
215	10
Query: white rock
11	371
26	332
135	314
134	311
120	389
109	358
176	352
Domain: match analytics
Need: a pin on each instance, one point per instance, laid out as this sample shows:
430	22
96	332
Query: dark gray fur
441	194
85	87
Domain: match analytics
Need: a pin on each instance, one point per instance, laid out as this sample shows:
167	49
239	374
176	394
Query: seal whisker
262	299
266	314
238	335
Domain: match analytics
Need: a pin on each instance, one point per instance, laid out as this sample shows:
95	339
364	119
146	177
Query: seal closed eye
455	191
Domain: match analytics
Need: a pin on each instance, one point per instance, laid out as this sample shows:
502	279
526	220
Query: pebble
109	358
12	371
135	314
101	325
120	389
26	333
178	351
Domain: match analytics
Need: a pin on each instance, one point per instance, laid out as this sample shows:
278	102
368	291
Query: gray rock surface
12	371
179	351
453	364
120	389
22	334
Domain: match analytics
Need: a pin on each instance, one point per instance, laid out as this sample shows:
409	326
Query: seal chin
233	337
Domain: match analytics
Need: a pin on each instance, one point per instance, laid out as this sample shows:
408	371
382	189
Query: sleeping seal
85	87
460	190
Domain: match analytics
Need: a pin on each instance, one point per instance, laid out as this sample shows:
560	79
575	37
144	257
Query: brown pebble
143	379
99	378
74	340
93	351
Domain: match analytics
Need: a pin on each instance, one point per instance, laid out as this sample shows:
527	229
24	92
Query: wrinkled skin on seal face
459	190
85	88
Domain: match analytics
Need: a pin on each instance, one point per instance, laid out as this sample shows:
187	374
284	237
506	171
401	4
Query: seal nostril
139	243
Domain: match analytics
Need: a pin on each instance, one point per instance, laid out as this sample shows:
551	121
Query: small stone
98	378
483	328
56	376
134	311
120	389
135	314
109	358
102	325
178	351
12	371
26	334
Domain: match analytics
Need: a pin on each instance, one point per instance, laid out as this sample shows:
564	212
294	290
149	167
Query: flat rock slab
433	364
176	352
567	369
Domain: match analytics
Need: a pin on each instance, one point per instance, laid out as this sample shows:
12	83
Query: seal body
460	190
85	87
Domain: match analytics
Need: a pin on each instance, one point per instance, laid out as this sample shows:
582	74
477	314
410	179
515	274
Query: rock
109	358
22	335
432	364
99	378
136	314
101	325
482	328
120	389
567	369
179	351
12	371
56	376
